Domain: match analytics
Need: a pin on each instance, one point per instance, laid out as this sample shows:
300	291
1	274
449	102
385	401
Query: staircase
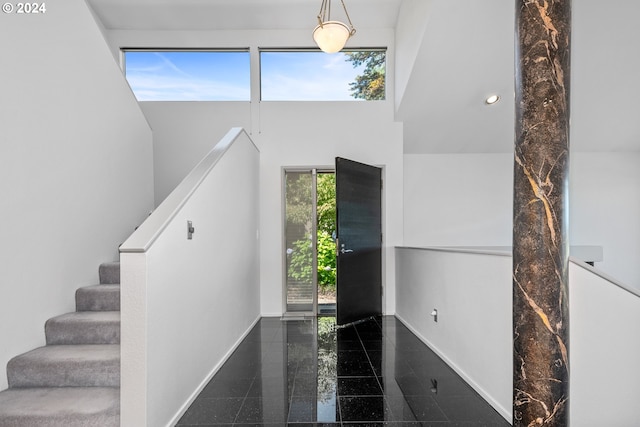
73	381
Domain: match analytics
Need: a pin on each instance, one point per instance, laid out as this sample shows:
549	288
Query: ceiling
234	14
465	54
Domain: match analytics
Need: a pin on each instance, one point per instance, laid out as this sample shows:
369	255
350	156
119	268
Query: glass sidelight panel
300	246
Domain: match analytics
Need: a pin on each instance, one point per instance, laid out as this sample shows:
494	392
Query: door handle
343	250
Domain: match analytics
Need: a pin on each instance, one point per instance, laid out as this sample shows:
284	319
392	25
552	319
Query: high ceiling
234	14
465	54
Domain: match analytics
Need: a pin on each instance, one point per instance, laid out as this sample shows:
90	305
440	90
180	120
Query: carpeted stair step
84	327
64	406
109	273
66	366
98	298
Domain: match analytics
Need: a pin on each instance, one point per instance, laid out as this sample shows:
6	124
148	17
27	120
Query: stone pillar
540	215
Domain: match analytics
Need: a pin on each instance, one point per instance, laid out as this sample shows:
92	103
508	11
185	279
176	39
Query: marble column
540	215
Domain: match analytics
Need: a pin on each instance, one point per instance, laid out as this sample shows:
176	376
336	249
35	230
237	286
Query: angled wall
410	27
76	173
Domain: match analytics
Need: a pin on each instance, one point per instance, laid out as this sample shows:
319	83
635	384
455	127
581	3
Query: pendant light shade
331	36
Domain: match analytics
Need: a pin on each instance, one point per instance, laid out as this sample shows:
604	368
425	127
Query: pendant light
331	36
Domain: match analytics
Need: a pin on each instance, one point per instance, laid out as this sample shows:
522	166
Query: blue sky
225	76
300	76
188	76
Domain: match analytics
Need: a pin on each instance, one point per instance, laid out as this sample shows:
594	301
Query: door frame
314	170
283	220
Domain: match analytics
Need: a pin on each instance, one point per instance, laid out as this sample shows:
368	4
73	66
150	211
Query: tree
298	200
326	208
326	196
370	85
326	261
298	196
299	226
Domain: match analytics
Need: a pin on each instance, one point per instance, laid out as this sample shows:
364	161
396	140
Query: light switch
190	230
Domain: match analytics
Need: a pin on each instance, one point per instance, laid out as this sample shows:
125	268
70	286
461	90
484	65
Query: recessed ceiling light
492	99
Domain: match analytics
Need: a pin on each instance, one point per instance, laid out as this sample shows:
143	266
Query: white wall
605	120
410	27
293	137
76	171
458	199
187	303
472	293
605	210
466	200
287	133
184	132
603	348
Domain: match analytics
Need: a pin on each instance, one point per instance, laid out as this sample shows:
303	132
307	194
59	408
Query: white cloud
170	88
322	78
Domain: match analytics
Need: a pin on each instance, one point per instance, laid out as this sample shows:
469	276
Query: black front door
359	224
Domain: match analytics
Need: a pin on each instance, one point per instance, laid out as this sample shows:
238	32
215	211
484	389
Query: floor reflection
307	372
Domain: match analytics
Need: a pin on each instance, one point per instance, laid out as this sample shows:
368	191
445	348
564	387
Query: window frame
246	50
317	50
255	82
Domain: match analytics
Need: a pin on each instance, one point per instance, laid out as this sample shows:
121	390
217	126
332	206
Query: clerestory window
312	75
285	75
188	75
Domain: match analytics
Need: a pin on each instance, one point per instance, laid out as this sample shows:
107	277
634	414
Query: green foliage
298	210
370	85
326	194
298	199
326	260
300	267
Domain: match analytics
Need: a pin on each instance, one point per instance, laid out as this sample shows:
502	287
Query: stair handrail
148	232
506	251
599	273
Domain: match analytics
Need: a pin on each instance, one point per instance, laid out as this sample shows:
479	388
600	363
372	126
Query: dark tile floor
307	373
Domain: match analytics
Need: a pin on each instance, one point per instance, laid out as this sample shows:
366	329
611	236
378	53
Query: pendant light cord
353	30
325	14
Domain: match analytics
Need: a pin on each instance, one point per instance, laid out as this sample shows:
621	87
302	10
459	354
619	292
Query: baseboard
504	412
215	370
